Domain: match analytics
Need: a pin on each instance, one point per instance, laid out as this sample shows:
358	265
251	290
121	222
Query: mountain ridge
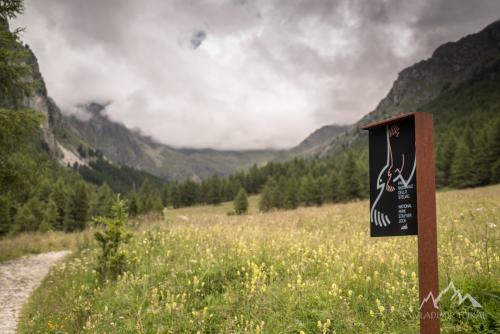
450	65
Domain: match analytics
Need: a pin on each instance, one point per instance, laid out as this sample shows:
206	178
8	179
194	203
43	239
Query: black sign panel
393	188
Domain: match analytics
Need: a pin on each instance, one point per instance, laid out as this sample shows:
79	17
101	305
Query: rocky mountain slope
314	142
451	66
124	146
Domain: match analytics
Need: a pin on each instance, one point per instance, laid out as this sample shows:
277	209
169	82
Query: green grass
204	210
314	270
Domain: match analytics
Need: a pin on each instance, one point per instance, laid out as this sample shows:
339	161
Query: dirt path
18	279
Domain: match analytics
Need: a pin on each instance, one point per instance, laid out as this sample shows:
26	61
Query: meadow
309	270
23	244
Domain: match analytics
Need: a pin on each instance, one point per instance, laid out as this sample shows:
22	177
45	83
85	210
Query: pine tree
481	165
363	175
44	191
444	159
493	150
148	198
214	195
462	173
164	195
60	197
77	209
241	202
311	191
112	262
133	208
102	201
13	66
304	190
279	193
5	215
49	217
495	172
25	219
350	183
232	187
320	188
267	197
291	196
175	195
188	193
29	216
333	188
254	180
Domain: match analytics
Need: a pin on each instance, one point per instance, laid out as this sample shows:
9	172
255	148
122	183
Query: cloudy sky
237	74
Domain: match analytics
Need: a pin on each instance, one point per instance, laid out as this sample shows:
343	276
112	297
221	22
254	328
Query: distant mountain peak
449	66
94	108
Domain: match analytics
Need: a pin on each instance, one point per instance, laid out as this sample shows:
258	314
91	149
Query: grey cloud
269	73
198	38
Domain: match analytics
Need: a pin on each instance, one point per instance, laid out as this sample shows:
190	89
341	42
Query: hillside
453	67
314	142
127	147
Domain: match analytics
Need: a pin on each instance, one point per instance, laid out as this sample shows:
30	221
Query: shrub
241	202
112	261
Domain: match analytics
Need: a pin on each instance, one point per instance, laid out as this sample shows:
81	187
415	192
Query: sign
393	188
403	196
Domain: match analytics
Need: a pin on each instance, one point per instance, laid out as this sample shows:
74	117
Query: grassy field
35	243
311	270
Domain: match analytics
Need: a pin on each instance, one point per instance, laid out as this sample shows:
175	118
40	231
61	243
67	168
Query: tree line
282	185
467	160
471	158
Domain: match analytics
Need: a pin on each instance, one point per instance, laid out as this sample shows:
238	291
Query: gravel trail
18	279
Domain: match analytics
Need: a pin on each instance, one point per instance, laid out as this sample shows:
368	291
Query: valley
105	228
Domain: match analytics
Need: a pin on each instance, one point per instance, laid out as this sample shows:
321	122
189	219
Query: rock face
450	65
55	128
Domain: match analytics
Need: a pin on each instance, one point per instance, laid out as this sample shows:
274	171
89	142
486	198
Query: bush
241	202
112	262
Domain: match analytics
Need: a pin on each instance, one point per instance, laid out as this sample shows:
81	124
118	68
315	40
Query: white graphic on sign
456	295
393	171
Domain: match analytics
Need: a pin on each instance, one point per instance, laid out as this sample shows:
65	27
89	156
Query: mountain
314	142
130	148
469	64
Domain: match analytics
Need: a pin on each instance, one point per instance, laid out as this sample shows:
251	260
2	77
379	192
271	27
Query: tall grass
311	270
34	243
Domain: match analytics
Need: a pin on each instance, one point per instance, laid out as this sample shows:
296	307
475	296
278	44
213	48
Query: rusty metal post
427	230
